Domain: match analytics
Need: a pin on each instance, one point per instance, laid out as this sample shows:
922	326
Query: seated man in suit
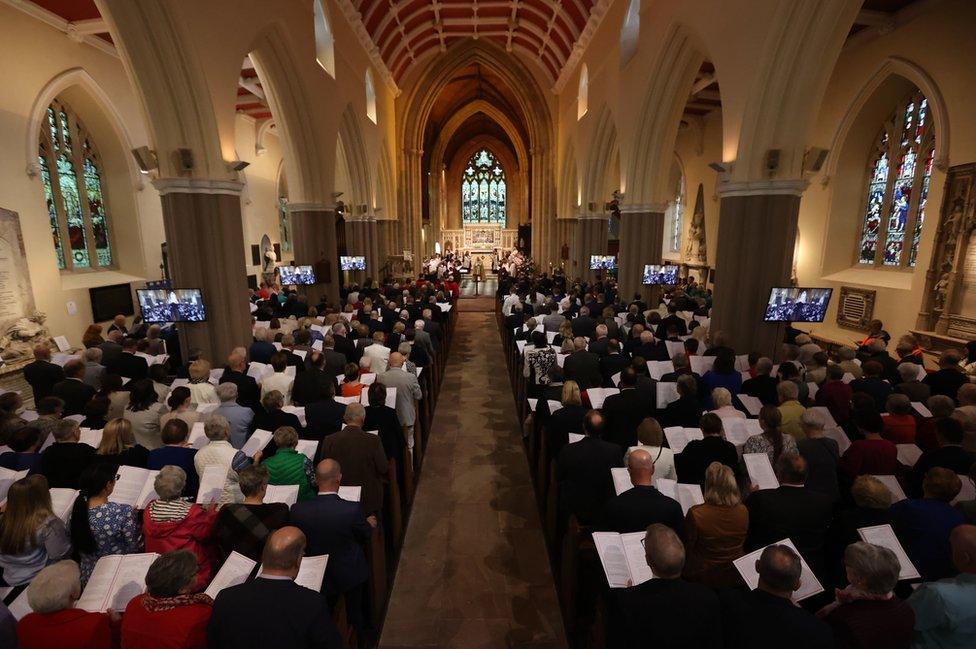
791	511
338	528
307	387
42	374
582	366
688	409
128	364
324	417
73	390
766	617
641	505
63	462
667	610
362	455
623	412
245	615
248	392
692	462
613	363
583	471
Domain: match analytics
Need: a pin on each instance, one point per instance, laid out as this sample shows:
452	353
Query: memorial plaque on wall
16	296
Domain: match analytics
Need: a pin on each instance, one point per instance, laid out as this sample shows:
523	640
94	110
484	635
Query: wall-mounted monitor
352	263
172	305
603	262
788	304
656	275
296	275
110	301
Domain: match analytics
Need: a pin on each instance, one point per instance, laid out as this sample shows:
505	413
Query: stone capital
781	186
197	186
310	207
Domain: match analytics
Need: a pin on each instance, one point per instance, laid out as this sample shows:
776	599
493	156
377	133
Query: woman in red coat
169	615
170	523
55	624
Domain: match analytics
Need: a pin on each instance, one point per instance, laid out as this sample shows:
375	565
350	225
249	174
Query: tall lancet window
483	191
74	191
899	172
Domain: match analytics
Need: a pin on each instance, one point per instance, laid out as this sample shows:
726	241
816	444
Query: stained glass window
70	172
894	210
483	191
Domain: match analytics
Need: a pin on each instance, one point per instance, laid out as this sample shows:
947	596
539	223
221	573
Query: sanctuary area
524	324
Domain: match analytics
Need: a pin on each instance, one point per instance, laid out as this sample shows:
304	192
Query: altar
478	239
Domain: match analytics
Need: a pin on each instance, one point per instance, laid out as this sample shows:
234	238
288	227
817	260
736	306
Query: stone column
565	235
205	238
591	239
363	240
756	238
313	227
411	204
641	242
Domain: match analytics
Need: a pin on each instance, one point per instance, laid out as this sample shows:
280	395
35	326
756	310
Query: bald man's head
963	542
283	551
396	359
640	465
328	475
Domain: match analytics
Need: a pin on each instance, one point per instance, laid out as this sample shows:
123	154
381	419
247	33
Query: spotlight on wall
239	165
720	167
814	159
145	158
185	159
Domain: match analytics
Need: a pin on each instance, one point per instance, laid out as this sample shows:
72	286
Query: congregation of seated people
123	405
857	436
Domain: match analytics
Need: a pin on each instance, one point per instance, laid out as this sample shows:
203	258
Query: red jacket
183	627
870	457
836	397
899	429
72	628
192	533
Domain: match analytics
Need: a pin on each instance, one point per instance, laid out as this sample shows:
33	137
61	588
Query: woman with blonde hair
119	447
568	419
565	333
31	536
650	438
201	391
716	530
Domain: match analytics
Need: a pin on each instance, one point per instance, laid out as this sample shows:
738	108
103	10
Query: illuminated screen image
352	263
655	275
295	275
172	305
797	304
603	262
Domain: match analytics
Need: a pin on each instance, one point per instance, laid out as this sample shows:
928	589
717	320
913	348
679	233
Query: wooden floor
474	570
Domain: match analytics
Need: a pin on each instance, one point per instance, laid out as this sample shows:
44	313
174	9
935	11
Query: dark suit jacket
335	362
324	417
271	613
955	458
384	419
248	392
583	473
610	365
686	411
672	320
757	620
640	506
261	352
130	366
42	376
347	348
62	463
566	420
308	386
363	462
945	381
76	395
583	325
669	613
599	347
622	414
699	453
338	528
584	368
651	352
877	389
798	513
762	387
110	352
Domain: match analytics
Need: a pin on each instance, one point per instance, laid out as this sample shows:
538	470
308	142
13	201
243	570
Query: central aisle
474	570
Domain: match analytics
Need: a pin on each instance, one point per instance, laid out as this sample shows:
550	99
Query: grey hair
908	372
170	482
419	324
354	412
721	397
404	348
251	479
285	437
93	354
846	353
688	383
813	419
664	551
764	365
171	573
64	429
877	566
787	390
680	359
261	334
217	428
227	392
55	587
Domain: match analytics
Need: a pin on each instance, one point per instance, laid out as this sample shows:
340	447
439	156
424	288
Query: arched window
324	41
630	32
899	172
74	191
483	190
582	94
370	97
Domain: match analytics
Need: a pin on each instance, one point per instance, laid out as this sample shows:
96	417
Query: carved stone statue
18	336
941	288
695	251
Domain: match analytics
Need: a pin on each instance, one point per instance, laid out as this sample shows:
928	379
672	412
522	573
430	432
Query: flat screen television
603	262
172	305
110	301
655	275
788	304
352	263
295	275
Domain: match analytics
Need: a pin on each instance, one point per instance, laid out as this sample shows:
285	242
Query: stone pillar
205	238
565	241
591	239
363	240
756	238
411	204
641	242
313	228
